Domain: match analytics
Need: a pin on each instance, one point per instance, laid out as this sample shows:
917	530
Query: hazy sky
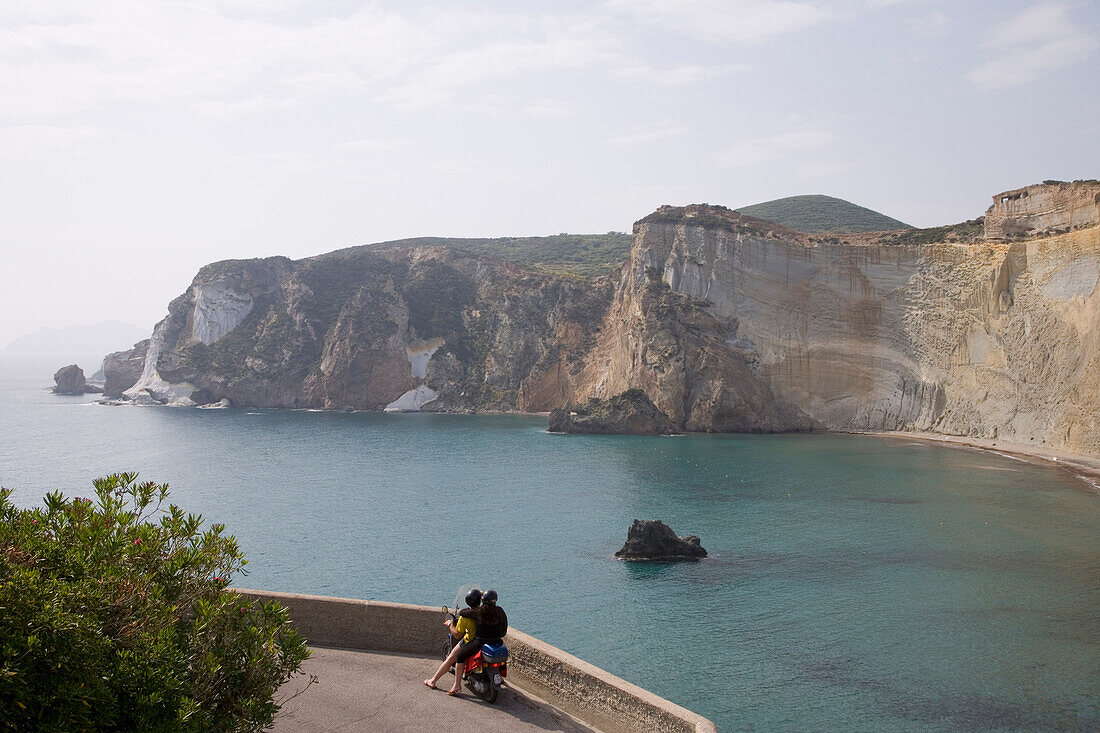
140	140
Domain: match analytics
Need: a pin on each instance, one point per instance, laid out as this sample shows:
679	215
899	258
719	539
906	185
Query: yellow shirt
467	627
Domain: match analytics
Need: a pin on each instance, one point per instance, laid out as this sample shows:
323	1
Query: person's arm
503	623
454	629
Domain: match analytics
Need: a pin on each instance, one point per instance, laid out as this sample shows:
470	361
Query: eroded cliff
984	338
400	328
726	322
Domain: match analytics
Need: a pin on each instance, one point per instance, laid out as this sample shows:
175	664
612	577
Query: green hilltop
822	214
592	255
586	255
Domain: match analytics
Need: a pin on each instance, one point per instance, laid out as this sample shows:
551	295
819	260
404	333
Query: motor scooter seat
494	652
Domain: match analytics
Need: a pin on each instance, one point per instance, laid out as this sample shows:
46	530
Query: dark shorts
468	649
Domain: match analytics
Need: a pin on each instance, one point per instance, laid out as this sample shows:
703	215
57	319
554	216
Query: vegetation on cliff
964	232
583	255
817	214
115	615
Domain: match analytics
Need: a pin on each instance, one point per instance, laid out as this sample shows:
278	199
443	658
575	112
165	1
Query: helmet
473	598
490	596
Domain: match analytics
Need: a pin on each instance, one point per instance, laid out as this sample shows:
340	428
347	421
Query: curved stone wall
589	693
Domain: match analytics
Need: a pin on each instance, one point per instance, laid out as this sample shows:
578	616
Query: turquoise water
854	583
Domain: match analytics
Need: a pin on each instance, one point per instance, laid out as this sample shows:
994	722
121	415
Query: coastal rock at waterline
652	539
69	380
401	327
629	413
122	369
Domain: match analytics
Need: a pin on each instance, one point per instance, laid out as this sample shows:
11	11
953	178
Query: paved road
367	691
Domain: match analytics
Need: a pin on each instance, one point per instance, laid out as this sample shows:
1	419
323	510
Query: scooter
486	670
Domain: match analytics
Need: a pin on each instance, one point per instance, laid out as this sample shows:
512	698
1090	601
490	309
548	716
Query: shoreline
1085	468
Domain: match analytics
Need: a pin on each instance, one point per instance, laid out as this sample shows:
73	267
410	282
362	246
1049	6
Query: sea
853	583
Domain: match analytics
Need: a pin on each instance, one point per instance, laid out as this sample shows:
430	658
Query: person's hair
489	613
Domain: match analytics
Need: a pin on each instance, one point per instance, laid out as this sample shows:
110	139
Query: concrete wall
587	692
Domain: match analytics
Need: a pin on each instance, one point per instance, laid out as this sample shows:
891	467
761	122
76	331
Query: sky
140	140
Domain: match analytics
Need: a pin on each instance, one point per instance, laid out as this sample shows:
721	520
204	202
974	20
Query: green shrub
115	615
967	232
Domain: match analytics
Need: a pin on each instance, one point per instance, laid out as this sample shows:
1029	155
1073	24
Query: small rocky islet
70	380
725	322
651	540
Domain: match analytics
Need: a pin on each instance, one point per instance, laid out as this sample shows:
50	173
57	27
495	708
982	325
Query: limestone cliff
673	342
398	328
984	338
1049	208
726	322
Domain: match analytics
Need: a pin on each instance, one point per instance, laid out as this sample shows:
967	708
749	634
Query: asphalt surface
368	691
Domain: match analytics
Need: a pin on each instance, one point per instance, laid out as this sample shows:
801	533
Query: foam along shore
1086	468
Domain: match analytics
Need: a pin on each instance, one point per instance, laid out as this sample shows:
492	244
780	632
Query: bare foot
454	690
431	684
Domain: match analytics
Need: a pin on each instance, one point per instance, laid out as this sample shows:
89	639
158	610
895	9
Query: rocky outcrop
725	323
675	343
69	380
370	328
629	413
653	540
732	324
1043	208
122	369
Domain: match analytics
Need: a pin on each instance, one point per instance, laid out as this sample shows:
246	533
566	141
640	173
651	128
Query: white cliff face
990	339
150	387
820	323
412	400
419	356
218	309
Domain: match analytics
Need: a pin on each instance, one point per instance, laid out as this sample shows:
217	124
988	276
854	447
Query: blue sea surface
854	583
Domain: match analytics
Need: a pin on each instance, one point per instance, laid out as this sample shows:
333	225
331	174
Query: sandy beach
1086	468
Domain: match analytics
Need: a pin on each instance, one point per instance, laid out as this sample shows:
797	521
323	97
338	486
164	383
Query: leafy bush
110	620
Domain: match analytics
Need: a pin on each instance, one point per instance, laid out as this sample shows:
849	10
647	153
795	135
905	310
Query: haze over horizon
140	141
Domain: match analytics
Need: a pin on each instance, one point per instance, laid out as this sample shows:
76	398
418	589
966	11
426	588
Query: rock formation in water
629	413
725	322
653	540
69	380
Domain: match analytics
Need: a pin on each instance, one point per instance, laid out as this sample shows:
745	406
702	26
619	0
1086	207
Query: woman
465	629
492	622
